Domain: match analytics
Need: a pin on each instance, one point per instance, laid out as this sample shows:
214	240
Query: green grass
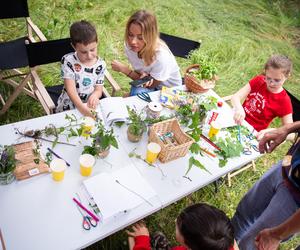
239	35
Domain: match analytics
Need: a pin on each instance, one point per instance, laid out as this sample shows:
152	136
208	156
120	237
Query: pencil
51	151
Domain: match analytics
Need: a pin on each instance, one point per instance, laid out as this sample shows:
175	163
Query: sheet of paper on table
113	198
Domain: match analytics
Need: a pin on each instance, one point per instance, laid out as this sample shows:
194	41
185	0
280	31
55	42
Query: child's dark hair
83	32
205	227
280	62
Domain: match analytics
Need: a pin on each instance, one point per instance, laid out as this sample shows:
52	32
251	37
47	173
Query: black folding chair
41	53
180	47
19	9
296	106
13	56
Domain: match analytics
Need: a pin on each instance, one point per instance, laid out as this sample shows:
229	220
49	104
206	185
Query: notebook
112	197
112	109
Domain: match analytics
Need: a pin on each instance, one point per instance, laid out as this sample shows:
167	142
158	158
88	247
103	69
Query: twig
42	138
186	177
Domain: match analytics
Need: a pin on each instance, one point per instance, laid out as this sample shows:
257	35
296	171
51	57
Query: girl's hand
239	115
118	66
93	101
138	229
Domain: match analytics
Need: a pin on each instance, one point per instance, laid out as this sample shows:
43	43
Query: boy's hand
119	67
239	115
138	229
93	101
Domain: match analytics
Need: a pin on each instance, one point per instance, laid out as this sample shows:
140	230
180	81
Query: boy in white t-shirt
148	55
82	71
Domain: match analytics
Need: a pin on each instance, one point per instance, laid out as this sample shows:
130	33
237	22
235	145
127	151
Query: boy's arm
239	114
93	100
270	238
72	93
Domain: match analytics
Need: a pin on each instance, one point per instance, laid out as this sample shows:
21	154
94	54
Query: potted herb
201	75
7	164
101	142
136	127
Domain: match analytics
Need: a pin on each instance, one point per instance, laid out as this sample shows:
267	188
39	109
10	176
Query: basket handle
191	67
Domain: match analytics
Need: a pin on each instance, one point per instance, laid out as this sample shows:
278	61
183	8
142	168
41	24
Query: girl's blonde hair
150	34
280	62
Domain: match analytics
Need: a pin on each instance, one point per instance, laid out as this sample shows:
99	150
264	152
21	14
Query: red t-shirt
142	242
261	106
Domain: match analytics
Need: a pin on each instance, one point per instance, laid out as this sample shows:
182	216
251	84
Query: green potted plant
202	74
7	164
136	127
102	139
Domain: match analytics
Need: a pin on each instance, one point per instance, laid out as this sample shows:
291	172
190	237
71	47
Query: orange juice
58	167
87	162
214	129
153	149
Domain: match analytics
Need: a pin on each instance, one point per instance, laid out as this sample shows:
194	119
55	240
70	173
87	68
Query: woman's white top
164	68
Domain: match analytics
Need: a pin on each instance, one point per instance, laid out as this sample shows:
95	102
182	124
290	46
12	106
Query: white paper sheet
112	198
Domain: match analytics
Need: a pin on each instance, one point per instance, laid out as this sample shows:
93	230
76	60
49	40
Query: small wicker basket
197	86
170	152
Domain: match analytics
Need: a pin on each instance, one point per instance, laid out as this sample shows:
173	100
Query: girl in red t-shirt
264	97
199	226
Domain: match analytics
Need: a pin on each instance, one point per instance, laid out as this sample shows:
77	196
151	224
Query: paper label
33	171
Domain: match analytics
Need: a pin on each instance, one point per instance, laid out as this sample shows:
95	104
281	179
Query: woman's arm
236	99
72	93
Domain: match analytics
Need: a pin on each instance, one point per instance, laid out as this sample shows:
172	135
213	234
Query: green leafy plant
137	124
7	159
207	69
102	139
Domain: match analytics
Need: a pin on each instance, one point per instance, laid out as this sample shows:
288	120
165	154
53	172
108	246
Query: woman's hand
239	115
120	67
138	229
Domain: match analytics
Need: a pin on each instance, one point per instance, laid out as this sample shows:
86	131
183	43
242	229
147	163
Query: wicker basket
194	85
170	152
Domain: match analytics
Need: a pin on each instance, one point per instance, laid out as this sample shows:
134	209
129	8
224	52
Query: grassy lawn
239	35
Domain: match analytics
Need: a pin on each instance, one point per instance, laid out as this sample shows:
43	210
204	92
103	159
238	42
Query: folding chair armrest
112	82
36	30
46	100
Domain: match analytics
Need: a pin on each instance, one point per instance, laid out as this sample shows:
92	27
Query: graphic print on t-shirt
255	103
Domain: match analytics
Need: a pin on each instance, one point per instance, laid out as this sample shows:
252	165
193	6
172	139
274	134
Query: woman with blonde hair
148	55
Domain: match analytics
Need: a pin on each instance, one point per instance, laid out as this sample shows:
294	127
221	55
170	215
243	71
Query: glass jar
7	178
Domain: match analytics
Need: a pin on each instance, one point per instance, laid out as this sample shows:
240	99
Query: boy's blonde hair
280	62
150	34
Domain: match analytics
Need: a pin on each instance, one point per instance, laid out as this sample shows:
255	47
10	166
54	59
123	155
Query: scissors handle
85	223
144	96
91	221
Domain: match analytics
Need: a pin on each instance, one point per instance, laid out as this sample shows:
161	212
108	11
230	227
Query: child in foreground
199	226
265	97
82	71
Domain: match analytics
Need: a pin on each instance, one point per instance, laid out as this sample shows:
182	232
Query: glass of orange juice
88	123
58	167
86	162
153	149
214	129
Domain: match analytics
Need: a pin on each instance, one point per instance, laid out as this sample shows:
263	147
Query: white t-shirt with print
164	68
84	77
